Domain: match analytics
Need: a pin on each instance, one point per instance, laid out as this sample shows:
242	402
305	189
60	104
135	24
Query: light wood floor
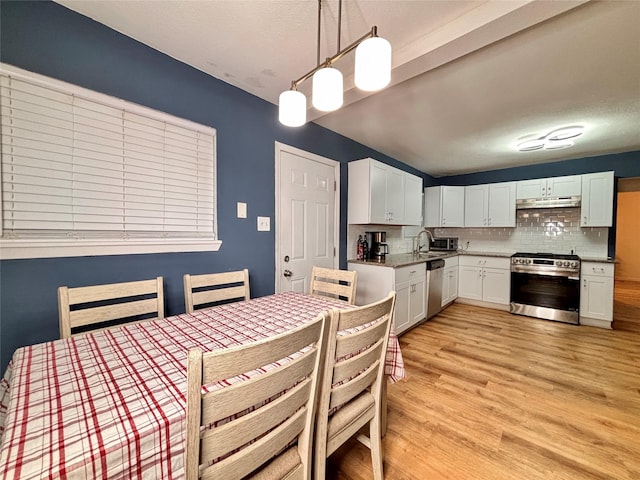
493	396
626	307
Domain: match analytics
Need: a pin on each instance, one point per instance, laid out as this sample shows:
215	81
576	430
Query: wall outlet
264	224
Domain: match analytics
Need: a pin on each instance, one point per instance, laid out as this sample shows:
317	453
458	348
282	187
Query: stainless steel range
546	285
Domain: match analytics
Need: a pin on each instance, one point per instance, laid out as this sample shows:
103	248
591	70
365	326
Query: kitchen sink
430	255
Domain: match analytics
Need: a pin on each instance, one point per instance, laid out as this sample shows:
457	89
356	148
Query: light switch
264	224
242	210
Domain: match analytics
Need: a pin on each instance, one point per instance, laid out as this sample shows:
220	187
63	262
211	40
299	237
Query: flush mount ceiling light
554	140
372	72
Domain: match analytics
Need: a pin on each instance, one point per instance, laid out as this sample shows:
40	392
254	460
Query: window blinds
76	167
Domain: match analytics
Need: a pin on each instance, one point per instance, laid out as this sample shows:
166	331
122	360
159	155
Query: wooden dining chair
99	306
334	283
350	394
257	444
208	289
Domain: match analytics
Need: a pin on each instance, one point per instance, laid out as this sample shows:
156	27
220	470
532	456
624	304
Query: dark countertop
398	260
488	254
598	259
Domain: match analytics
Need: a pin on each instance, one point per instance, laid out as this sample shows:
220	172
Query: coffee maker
378	247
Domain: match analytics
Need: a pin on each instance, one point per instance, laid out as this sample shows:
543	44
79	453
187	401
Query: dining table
111	403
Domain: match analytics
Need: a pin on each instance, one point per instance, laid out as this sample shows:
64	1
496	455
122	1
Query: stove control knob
559	263
574	264
529	261
567	263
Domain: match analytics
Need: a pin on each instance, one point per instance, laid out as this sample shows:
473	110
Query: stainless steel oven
546	285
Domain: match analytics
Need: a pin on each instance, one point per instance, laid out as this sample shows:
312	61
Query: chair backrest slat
77	306
243	430
221	287
334	283
242	395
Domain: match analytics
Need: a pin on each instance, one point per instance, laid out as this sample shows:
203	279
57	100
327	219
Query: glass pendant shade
327	89
293	108
373	64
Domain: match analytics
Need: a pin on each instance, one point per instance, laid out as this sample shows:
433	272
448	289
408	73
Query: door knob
287	273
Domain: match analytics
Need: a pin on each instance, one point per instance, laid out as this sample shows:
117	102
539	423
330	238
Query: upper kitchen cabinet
569	186
412	200
490	205
379	193
597	200
444	206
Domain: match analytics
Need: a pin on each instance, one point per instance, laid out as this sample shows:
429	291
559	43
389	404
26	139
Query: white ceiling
469	77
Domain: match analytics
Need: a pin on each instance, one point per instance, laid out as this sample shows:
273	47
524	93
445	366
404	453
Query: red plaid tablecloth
111	404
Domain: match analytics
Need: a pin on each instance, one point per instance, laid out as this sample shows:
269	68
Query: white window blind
86	168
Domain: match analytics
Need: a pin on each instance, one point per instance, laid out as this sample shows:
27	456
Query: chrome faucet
416	241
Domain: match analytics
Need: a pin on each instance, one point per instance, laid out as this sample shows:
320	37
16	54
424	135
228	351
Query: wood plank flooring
493	396
626	307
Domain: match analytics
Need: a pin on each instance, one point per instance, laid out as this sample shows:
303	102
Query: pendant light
372	72
373	64
293	108
327	89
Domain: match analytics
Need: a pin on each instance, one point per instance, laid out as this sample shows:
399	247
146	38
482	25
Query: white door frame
279	148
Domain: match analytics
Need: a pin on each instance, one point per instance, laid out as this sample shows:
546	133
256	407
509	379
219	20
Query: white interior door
307	216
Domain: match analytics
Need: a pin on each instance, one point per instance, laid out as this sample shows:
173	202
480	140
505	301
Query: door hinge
334	251
335	185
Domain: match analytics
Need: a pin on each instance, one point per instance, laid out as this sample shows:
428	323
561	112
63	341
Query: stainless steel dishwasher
435	270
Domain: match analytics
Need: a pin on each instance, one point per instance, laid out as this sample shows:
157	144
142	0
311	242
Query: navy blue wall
46	38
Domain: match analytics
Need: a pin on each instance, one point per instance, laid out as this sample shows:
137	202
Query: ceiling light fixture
554	140
372	72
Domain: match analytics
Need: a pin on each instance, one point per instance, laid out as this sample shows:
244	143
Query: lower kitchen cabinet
484	279
375	282
596	294
450	280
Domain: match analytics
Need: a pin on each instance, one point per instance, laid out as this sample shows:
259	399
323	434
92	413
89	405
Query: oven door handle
574	278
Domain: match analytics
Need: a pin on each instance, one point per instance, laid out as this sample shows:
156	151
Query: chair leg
319	463
376	448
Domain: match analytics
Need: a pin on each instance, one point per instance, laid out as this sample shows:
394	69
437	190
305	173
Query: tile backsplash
553	230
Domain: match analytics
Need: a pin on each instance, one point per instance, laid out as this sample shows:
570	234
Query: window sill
49	248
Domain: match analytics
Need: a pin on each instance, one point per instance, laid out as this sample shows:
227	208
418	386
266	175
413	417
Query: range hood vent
555	202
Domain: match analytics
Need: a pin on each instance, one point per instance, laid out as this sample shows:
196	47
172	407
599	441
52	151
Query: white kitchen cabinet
412	200
486	279
596	294
597	200
375	282
378	194
444	206
490	205
568	186
450	281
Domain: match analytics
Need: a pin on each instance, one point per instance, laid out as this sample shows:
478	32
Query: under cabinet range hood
548	202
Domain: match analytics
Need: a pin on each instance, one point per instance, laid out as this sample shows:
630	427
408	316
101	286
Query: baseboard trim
480	303
594	322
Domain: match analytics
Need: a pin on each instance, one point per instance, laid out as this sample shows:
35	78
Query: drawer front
411	273
489	262
597	269
451	262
